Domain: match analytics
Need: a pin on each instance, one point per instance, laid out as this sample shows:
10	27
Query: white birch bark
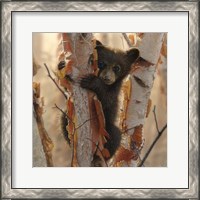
81	49
141	84
150	51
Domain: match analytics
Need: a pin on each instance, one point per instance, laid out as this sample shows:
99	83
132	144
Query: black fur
108	94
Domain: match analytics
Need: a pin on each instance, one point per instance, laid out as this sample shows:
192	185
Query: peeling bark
141	81
46	141
77	48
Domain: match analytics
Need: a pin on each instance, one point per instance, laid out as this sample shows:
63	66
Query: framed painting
99	99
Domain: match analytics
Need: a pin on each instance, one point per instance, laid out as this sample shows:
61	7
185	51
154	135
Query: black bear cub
114	66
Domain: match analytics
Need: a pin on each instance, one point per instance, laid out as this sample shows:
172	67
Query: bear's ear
132	54
98	44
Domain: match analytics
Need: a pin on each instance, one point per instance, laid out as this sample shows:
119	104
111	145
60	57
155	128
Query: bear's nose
106	77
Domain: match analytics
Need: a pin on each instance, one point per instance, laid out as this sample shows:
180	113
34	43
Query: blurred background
45	50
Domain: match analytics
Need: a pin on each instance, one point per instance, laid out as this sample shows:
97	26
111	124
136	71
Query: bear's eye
116	68
101	64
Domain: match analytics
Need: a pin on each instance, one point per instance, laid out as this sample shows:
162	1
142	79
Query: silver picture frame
7	8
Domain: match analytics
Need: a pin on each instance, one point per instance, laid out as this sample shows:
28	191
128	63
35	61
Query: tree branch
64	113
152	145
155	140
55	81
127	40
97	145
79	126
83	123
155	118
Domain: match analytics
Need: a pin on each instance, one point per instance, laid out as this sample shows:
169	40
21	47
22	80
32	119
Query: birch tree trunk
76	49
135	101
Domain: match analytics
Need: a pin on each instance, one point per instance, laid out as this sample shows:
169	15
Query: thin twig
73	133
64	113
86	121
60	110
152	145
155	118
55	81
122	42
83	123
86	41
127	40
128	129
79	126
97	145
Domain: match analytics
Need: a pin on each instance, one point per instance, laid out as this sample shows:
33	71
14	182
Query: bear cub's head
114	64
